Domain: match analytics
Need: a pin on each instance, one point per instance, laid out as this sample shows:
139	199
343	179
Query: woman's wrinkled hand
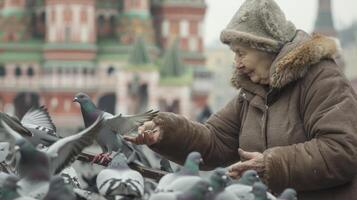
149	134
249	160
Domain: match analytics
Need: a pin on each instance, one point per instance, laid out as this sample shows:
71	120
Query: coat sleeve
328	109
216	140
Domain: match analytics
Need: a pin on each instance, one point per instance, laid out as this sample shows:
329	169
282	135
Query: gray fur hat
261	24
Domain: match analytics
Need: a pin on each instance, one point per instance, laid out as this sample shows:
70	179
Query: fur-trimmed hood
295	59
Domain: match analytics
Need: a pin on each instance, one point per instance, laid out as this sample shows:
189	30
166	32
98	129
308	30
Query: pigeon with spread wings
112	126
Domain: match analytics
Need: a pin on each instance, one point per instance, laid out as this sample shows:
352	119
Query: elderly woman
294	119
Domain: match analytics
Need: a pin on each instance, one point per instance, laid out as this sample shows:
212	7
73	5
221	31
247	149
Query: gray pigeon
36	126
260	191
112	126
200	191
119	180
189	172
87	195
243	187
8	187
59	190
36	167
4	150
165	165
288	194
149	188
40	124
219	181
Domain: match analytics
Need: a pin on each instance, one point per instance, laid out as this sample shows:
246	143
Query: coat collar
293	62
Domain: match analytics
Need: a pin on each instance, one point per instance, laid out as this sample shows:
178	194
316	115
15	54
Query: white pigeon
119	180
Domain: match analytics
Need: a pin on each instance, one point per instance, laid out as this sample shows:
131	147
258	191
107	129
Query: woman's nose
238	65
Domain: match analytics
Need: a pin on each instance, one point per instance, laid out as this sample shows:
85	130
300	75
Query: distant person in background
204	114
293	120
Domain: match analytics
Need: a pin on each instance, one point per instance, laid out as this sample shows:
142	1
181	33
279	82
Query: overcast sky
301	12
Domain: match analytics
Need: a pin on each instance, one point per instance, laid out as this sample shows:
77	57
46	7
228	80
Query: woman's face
253	63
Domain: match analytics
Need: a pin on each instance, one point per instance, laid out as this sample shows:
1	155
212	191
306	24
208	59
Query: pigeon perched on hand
119	180
36	168
112	126
189	172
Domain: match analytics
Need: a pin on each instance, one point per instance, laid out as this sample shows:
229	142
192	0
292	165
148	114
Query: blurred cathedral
128	55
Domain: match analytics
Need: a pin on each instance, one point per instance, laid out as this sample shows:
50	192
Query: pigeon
8	187
189	172
121	124
149	188
36	167
36	126
165	165
59	190
91	182
70	177
199	191
87	195
119	180
288	194
243	187
4	151
39	123
259	191
219	181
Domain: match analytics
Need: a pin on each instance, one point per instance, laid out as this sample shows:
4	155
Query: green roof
136	14
20	56
142	67
30	44
112	57
172	65
13	12
138	54
185	79
80	46
195	3
69	64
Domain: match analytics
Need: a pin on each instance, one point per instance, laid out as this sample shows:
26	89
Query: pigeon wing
15	124
39	117
125	124
64	151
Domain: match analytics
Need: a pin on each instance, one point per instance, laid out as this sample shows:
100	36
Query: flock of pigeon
33	161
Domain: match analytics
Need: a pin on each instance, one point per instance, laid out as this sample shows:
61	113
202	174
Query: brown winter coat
305	125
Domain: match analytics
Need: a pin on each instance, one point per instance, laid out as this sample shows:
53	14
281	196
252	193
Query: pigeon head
192	163
119	161
288	194
201	190
87	105
219	179
81	98
260	191
249	177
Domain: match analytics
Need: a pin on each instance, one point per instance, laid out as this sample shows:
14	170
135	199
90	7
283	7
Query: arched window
110	70
2	71
100	24
59	71
30	72
17	71
112	25
92	72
